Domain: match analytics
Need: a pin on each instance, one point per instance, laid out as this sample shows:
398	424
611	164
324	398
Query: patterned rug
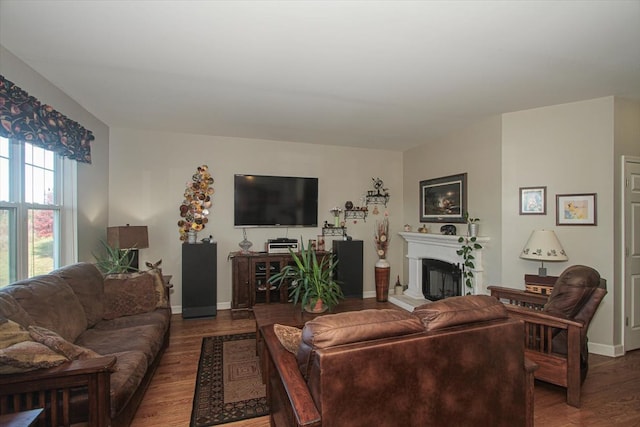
229	383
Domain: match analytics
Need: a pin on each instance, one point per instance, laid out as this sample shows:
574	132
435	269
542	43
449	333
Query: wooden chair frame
539	329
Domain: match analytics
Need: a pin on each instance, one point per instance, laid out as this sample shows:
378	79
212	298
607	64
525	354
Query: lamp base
542	271
133	260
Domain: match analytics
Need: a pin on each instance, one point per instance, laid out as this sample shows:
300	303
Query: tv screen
275	201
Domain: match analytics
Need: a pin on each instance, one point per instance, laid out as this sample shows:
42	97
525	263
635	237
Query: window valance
25	118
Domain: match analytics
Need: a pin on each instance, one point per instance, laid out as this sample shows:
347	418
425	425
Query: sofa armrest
53	388
290	401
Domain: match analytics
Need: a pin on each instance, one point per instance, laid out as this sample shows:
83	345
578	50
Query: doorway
631	251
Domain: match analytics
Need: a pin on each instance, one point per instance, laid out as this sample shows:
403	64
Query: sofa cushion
86	281
127	294
51	303
459	310
58	344
353	326
159	316
289	337
573	288
10	309
28	356
130	369
146	339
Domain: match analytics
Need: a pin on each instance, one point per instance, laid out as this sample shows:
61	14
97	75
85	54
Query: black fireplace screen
440	279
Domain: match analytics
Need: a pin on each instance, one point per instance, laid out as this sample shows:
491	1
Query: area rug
229	383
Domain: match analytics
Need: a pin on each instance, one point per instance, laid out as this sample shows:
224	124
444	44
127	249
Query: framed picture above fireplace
443	199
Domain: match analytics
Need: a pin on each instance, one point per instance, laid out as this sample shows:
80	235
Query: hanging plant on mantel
469	244
197	202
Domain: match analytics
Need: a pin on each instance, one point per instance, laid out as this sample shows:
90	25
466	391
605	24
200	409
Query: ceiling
378	74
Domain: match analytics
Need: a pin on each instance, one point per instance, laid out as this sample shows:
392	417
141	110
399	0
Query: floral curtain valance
25	118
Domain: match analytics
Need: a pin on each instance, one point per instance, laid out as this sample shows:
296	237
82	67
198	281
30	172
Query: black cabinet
199	279
348	253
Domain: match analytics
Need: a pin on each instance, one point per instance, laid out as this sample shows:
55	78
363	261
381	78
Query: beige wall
149	171
569	149
93	180
476	151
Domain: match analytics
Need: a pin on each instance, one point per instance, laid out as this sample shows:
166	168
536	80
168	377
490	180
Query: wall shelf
334	231
356	214
377	199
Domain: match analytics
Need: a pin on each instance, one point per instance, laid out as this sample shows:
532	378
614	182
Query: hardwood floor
610	396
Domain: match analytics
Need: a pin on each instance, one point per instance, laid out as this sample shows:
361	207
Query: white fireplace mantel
440	247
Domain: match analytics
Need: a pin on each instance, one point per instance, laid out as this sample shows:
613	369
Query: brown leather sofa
80	345
459	361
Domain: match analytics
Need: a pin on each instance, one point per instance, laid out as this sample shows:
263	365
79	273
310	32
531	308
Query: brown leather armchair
556	328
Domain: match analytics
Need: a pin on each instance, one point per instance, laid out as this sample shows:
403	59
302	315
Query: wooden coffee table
291	315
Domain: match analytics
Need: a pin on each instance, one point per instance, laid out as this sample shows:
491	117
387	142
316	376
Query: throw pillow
58	344
289	337
158	281
12	333
460	310
128	294
28	356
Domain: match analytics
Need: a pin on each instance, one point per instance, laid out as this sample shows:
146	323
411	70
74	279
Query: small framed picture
576	209
533	200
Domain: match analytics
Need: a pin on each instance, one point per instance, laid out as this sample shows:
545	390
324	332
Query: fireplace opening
440	279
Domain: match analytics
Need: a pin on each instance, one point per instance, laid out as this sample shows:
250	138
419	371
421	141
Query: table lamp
543	245
129	237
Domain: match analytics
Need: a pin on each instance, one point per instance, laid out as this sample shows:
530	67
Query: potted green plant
472	224
469	244
114	260
311	280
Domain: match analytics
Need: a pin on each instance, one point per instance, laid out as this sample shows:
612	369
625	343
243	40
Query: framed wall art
443	199
576	209
533	200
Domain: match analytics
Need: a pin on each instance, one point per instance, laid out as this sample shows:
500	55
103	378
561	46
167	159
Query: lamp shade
128	237
543	245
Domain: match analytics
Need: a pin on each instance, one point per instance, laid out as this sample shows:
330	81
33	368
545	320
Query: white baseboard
606	349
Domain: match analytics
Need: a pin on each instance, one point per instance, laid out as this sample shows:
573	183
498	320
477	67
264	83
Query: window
30	210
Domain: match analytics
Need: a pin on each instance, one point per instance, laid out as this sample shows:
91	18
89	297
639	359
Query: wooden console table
250	280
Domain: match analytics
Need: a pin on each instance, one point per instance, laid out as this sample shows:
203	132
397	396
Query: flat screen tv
275	201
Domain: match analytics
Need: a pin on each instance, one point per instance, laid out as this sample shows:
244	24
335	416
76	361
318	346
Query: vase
318	307
383	273
192	236
473	229
245	244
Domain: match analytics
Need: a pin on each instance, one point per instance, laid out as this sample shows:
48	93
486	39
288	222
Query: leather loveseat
459	361
80	345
